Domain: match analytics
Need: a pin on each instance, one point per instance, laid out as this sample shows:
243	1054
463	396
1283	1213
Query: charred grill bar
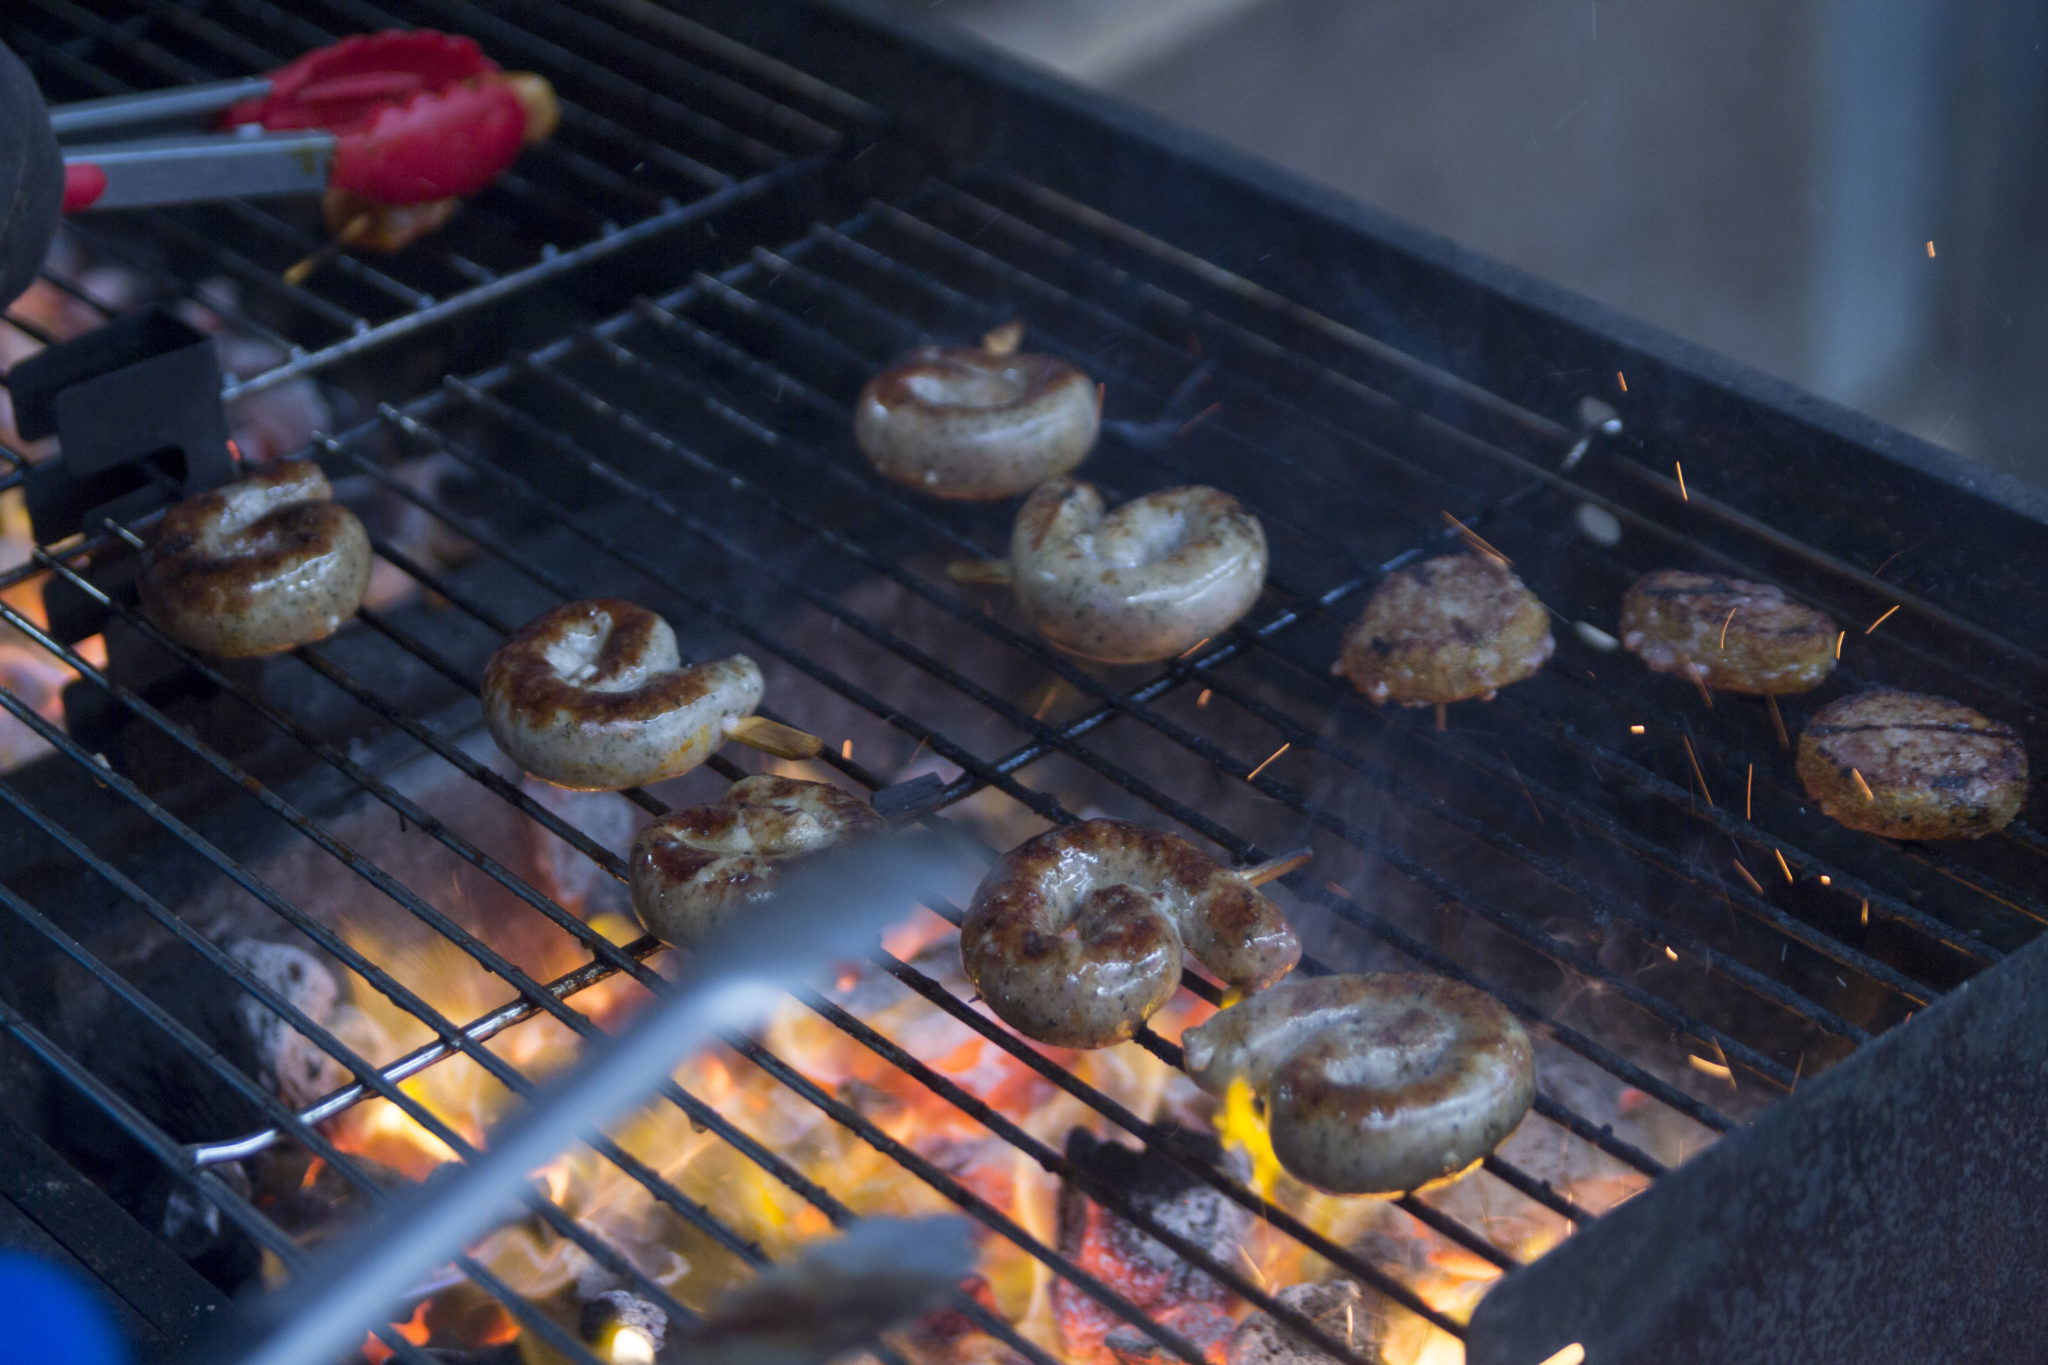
638	353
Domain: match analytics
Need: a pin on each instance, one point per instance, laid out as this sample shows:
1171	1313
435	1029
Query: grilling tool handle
31	178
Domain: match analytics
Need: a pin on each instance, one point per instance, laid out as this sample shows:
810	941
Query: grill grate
1610	891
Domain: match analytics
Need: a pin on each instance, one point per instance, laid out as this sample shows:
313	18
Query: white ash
605	1314
569	877
1339	1307
1599	525
294	1066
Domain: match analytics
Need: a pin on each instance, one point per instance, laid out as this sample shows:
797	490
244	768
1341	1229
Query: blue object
53	1318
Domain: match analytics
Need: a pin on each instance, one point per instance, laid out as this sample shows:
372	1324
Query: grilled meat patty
1444	630
1908	766
1729	634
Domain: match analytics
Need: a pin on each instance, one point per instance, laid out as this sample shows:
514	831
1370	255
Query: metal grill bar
466	1041
900	268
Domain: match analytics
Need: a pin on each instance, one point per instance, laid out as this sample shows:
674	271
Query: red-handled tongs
390	118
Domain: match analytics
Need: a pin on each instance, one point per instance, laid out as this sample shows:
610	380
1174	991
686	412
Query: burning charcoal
295	1066
1339	1307
623	1327
573	880
1206	1327
1143	1270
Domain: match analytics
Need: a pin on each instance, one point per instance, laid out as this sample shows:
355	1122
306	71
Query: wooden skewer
772	737
1258	874
350	232
1005	339
979	571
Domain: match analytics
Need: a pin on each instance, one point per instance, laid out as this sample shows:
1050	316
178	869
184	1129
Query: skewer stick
1005	339
979	571
1258	874
772	737
351	231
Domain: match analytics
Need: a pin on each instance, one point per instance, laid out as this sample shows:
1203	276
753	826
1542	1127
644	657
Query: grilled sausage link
594	695
1146	582
1374	1084
258	566
1907	766
972	423
694	871
1075	937
1444	630
1727	633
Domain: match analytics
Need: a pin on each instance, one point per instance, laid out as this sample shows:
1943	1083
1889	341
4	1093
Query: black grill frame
1473	334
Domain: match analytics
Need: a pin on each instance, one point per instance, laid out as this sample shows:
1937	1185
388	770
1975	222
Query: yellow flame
1241	1127
631	1346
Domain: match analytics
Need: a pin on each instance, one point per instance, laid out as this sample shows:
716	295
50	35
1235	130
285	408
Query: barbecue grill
630	365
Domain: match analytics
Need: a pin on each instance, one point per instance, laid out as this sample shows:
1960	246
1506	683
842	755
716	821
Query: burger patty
1727	633
1444	630
1908	766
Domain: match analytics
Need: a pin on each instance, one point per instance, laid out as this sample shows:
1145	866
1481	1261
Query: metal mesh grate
1660	908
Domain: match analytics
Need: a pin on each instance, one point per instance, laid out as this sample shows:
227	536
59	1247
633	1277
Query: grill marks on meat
1727	633
1147	1273
1447	629
694	870
258	566
1907	766
593	695
1075	938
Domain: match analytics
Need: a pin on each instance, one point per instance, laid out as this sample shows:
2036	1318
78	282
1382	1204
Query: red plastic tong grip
417	116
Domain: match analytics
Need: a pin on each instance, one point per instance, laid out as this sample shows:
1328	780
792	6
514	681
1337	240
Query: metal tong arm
150	113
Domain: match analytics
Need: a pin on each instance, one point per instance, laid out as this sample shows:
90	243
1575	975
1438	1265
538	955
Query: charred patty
1908	766
1727	633
1444	630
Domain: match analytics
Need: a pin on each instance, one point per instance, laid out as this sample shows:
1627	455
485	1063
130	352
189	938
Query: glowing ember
414	1329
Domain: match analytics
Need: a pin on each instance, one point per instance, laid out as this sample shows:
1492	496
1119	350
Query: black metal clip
136	404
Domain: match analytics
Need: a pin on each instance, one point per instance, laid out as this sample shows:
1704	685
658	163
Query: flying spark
1714	1069
1787	867
1840	636
1866	920
1681	481
1724	626
1269	760
1635	729
1749	794
1203	700
1696	771
846	750
1204	415
1826	880
1749	877
1778	721
1861	785
1573	1354
1930	251
1622	380
1671	953
1195	646
1474	539
1881	620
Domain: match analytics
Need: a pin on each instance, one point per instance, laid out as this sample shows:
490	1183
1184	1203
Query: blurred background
1846	193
